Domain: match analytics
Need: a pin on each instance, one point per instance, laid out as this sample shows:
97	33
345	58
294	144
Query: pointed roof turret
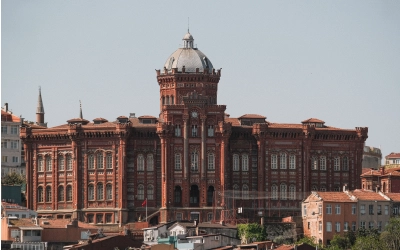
80	113
40	108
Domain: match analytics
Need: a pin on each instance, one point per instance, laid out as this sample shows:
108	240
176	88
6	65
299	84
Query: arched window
177	195
150	192
236	191
178	130
345	163
109	194
109	161
235	162
314	163
100	191
178	165
195	161
245	162
48	194
172	99
140	162
322	163
60	193
245	190
314	188
163	100
282	160
274	161
100	161
61	163
167	100
40	194
40	164
91	162
210	130
283	191
150	162
274	192
336	164
292	192
69	162
140	194
69	193
194	130
91	192
211	162
48	163
292	162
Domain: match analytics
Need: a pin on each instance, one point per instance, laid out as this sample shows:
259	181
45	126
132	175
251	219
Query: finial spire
80	107
40	110
188	25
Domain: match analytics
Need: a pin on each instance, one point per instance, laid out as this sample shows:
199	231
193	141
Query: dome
189	57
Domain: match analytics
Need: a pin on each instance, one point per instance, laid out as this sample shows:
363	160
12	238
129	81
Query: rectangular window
178	130
304	210
386	209
292	162
353	226
337	209
4	129
362	209
346	226
336	164
320	226
314	163
329	226
337	226
194	130
178	216
320	209
371	225
371	209
353	209
4	144
177	162
328	209
282	161
211	162
99	218
210	130
362	224
14	144
90	218
274	161
379	209
69	162
109	161
100	161
322	163
14	130
15	159
379	226
108	218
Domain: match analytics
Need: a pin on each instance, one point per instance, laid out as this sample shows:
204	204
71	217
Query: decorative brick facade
192	162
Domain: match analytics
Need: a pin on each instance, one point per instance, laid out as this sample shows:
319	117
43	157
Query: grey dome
189	57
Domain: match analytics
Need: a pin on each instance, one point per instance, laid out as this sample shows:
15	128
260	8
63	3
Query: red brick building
193	161
385	179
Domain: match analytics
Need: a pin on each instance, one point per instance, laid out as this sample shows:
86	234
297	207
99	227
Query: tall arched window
245	162
322	163
292	162
48	163
61	163
60	193
167	100
210	195
109	194
91	162
150	192
210	130
314	163
292	192
282	161
172	99
195	160
109	161
245	190
235	162
100	191
211	162
345	163
177	195
177	130
40	164
178	165
40	194
91	192
274	192
274	161
100	161
48	194
140	162
69	193
150	162
69	162
336	164
236	191
283	191
140	194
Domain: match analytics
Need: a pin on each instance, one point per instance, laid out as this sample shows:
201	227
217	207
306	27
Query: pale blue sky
338	61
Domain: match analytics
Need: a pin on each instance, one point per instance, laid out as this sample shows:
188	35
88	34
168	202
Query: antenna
188	24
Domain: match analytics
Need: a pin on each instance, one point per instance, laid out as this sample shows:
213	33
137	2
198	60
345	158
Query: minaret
80	113
40	111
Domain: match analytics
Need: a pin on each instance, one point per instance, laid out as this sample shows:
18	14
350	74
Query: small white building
15	210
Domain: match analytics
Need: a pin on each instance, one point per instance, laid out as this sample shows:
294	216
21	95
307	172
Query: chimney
345	188
378	188
6	106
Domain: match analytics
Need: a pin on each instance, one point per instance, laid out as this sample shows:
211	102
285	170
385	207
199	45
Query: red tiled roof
393	155
22	222
370	172
394	196
62	223
367	195
284	247
253	116
100	119
8	117
334	196
147	116
313	120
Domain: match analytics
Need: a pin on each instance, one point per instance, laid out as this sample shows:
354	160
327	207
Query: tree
251	232
13	179
339	242
370	242
309	240
390	238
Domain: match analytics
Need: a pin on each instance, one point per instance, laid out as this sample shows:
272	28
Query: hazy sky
338	61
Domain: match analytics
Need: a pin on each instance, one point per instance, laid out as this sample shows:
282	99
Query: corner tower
192	163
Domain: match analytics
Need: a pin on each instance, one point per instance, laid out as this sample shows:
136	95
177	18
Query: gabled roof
8	117
371	172
367	195
334	197
393	196
393	156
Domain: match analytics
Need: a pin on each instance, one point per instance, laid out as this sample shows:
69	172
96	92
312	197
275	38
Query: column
203	148
185	149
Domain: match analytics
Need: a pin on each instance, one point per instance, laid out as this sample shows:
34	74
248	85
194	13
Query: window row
45	195
195	130
14	159
283	161
13	144
244	162
149	194
371	209
149	162
99	160
64	162
194	161
338	163
13	129
98	192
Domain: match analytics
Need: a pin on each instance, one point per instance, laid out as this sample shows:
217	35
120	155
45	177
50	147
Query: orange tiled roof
371	172
252	116
334	196
147	116
62	223
367	195
393	155
284	247
6	116
394	196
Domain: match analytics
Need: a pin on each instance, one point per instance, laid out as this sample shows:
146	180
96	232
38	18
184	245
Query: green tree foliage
13	179
370	242
251	232
339	242
390	238
309	240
